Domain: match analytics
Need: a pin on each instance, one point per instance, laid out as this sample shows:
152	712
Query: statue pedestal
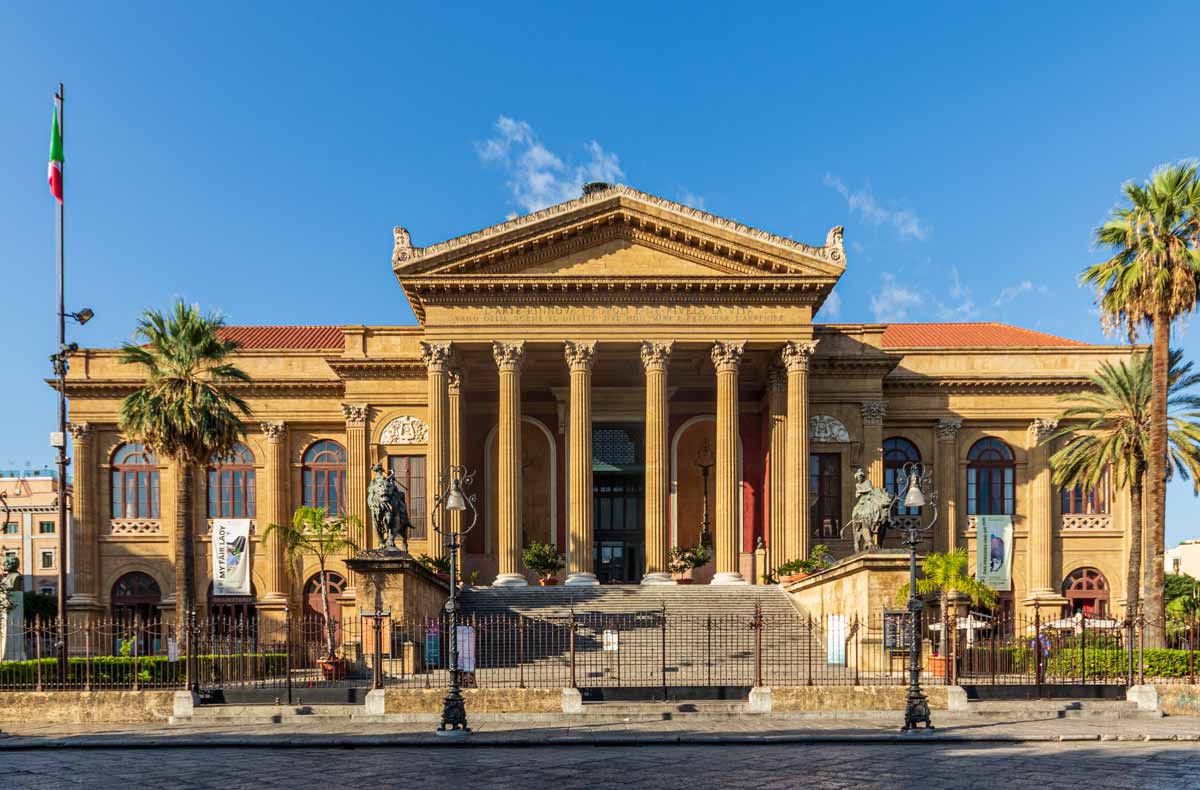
392	581
12	629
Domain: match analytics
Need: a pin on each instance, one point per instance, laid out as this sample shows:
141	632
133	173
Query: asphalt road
1096	766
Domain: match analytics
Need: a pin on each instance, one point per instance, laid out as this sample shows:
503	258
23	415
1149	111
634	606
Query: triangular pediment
620	258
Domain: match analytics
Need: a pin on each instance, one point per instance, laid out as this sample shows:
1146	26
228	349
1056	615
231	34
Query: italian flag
56	160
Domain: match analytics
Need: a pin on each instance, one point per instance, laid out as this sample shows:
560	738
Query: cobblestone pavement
929	765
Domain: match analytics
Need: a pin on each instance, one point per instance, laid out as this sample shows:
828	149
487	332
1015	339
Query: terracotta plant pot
333	668
937	666
547	581
684	580
793	577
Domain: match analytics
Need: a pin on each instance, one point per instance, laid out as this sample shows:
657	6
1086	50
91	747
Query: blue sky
255	159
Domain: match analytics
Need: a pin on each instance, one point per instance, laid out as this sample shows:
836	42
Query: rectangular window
1093	501
47	559
409	471
45	527
825	494
231	493
10	528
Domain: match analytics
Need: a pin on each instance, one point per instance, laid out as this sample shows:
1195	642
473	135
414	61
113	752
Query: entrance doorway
619	502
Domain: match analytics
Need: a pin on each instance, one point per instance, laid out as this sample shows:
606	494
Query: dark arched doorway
313	618
135	607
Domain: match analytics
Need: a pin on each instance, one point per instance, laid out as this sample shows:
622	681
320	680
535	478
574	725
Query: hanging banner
231	556
993	551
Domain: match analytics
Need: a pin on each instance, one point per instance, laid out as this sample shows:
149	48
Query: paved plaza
754	767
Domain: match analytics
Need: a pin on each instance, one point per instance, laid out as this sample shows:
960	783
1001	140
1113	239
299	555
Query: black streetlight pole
705	454
918	493
452	499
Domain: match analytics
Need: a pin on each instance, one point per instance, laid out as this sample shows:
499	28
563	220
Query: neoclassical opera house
615	367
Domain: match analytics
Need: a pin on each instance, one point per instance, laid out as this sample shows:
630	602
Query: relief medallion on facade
405	430
823	428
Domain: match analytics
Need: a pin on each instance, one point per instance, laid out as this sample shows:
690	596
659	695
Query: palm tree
313	532
185	410
1108	432
946	573
1152	278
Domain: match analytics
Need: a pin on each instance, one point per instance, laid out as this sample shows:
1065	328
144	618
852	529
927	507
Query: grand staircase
686	638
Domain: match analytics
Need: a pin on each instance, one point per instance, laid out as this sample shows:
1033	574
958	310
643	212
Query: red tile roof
283	337
969	335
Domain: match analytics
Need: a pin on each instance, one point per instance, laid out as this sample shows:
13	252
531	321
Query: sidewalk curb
485	740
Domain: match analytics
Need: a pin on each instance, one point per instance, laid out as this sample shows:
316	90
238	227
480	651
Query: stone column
873	412
454	403
357	477
84	535
581	520
509	358
777	461
656	357
1040	556
947	482
436	357
727	359
796	357
276	509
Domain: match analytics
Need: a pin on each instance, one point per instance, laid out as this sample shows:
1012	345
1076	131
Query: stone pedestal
394	582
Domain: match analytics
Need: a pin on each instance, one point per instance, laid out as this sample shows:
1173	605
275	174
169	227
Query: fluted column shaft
777	461
796	359
727	359
509	358
85	543
276	510
580	552
947	482
1041	512
873	412
357	464
436	357
656	358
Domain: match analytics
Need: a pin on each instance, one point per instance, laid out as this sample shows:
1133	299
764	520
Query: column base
510	580
657	577
729	577
582	579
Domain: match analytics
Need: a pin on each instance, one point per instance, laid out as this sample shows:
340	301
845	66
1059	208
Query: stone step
266	714
1055	709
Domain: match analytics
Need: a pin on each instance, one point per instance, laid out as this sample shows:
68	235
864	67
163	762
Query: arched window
325	476
231	484
1086	590
991	478
313	625
897	452
134	482
1092	501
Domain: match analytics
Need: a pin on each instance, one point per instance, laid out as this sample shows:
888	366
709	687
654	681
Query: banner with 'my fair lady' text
231	556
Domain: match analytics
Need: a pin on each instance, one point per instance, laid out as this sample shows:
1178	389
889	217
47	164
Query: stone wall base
1178	700
498	700
831	699
87	707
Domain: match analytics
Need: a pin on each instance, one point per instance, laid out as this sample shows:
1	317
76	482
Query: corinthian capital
948	428
873	412
656	356
1041	429
435	355
454	380
727	356
795	355
356	413
274	431
508	356
80	431
580	355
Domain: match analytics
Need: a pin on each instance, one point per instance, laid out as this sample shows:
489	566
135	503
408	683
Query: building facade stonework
609	365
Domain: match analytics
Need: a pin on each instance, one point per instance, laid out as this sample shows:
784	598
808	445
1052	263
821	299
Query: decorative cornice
656	356
508	356
873	412
405	429
981	384
80	431
727	356
796	356
377	368
579	355
947	429
1041	429
404	254
274	431
436	356
275	388
356	413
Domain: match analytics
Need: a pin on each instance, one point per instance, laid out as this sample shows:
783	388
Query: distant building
1184	558
29	525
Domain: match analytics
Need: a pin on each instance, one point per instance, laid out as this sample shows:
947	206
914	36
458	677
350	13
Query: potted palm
313	532
544	560
946	575
819	558
684	558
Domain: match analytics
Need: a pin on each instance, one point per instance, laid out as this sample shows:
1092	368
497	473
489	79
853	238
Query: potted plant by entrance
946	574
313	533
685	558
819	558
544	560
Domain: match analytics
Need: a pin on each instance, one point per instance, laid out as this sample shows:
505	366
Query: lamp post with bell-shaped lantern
453	499
918	494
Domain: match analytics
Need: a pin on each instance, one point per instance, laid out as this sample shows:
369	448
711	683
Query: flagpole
61	370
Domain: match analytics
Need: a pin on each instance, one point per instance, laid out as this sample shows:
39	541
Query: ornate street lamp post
704	462
919	493
452	499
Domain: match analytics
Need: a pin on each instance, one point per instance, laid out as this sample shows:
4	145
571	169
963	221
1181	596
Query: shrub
542	558
121	670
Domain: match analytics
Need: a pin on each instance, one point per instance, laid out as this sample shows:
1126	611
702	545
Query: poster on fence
993	551
466	648
231	556
835	648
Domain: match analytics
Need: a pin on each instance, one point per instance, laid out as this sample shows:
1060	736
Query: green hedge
1158	663
156	670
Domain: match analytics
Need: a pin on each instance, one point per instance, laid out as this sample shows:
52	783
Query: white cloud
1010	293
905	222
537	176
893	301
689	198
832	307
